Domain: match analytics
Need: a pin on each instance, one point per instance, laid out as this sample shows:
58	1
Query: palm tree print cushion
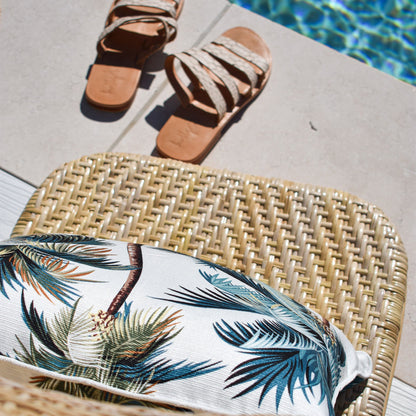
137	324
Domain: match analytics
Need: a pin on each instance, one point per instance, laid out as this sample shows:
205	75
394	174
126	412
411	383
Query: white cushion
181	332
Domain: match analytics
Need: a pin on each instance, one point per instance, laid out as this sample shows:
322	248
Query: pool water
381	33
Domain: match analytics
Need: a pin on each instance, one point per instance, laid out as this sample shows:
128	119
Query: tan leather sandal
134	30
225	76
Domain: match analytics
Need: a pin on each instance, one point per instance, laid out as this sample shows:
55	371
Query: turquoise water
381	33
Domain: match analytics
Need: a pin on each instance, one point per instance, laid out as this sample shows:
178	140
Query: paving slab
45	55
324	119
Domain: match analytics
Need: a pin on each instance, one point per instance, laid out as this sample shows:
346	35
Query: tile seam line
163	85
16	176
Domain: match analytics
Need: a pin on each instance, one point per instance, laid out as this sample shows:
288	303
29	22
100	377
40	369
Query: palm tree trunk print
103	319
136	260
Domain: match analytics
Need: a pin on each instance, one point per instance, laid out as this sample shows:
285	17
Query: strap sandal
134	30
224	77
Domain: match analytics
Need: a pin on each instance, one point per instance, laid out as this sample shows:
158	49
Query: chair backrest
325	248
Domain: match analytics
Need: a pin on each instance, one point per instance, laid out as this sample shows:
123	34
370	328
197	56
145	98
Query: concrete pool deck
323	118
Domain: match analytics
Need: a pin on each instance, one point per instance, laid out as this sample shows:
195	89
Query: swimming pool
381	33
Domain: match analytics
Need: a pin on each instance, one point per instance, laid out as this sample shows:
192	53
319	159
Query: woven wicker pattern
327	249
16	400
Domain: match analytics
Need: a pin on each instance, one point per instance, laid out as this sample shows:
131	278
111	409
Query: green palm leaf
140	333
40	329
45	263
292	349
128	351
281	359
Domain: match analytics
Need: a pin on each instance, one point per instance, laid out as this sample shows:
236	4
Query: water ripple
381	33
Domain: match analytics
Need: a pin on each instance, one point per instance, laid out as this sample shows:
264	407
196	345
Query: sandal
135	29
226	75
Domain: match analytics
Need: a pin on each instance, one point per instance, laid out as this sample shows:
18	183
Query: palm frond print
291	347
43	263
281	360
127	352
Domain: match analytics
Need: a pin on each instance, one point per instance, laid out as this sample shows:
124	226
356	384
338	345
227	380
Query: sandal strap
219	71
169	24
199	62
157	4
202	77
243	52
230	58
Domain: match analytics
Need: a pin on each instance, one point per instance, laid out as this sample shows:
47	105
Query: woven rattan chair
325	248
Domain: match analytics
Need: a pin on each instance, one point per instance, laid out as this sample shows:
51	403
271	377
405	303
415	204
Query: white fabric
201	337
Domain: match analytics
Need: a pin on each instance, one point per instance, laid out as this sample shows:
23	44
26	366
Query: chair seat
327	249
